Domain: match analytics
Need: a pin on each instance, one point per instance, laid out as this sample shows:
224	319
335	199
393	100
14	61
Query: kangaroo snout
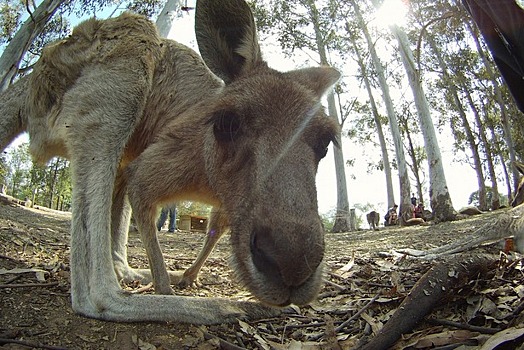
286	259
290	264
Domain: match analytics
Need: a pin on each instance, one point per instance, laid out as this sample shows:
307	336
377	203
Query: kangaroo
373	218
518	198
145	121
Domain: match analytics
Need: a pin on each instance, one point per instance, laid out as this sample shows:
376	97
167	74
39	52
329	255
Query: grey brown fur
373	219
144	122
518	197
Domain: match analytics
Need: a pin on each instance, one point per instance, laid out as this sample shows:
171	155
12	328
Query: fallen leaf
444	338
502	337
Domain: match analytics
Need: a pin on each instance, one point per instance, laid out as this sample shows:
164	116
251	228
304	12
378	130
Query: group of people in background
417	211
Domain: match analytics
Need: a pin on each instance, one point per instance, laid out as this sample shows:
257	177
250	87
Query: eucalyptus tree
462	88
416	154
493	75
58	182
24	37
502	30
25	28
38	184
3	171
171	10
19	165
440	199
475	74
489	143
365	75
300	25
452	94
405	190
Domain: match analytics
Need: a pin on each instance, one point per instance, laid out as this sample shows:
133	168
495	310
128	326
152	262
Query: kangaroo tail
13	120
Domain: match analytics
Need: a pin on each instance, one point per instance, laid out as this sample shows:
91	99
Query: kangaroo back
518	197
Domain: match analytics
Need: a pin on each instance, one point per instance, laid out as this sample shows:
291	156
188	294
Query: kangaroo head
266	134
518	197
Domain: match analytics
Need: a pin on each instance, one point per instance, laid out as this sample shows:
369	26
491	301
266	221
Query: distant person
171	211
413	200
391	216
419	211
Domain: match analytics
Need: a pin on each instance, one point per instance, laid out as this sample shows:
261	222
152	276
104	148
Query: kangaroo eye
321	148
226	126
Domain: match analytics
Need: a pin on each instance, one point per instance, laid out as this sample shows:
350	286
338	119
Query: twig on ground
12	279
143	289
28	285
224	344
484	330
333	284
349	320
7	257
357	315
33	345
298	326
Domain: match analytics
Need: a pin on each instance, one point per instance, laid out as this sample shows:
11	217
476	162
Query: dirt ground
366	281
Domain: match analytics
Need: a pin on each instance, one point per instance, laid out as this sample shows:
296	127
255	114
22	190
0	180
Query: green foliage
474	198
10	13
3	168
360	214
193	208
328	220
48	185
148	8
57	28
19	164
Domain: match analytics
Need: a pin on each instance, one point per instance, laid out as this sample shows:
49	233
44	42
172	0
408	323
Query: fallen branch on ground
224	344
28	285
439	282
484	330
32	345
508	223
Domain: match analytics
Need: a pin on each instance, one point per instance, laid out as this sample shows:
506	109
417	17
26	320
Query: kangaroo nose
285	257
263	251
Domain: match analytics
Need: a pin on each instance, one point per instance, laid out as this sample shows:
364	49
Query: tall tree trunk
33	26
405	191
342	220
415	168
488	149
376	118
483	205
503	115
167	16
440	199
52	185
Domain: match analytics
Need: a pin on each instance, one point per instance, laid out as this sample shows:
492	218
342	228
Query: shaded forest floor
361	267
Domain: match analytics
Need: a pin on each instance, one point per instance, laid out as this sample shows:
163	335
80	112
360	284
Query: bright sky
391	12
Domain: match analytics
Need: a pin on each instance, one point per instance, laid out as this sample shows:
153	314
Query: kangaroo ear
226	36
318	79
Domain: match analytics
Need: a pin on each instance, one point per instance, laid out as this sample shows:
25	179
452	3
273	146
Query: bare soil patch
364	282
